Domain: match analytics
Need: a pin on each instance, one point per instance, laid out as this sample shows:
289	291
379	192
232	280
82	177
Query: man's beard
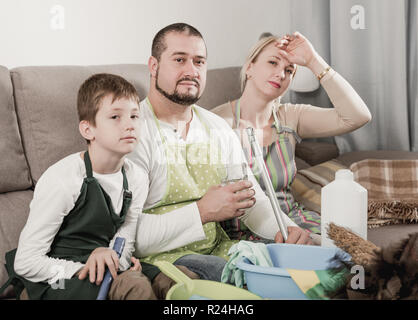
184	99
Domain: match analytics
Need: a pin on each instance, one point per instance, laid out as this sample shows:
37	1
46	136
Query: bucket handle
174	273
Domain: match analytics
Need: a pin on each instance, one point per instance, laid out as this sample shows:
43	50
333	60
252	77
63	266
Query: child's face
117	125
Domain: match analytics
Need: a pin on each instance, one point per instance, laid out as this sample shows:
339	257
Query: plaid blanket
392	187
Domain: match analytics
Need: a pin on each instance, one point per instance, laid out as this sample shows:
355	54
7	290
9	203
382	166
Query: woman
265	78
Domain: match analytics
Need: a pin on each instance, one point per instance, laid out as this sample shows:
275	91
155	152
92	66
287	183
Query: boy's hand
136	264
96	265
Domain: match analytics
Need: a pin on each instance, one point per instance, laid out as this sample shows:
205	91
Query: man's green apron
191	171
92	223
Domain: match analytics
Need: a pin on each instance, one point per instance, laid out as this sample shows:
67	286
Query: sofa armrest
316	152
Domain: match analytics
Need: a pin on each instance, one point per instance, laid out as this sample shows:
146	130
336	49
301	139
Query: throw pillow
307	185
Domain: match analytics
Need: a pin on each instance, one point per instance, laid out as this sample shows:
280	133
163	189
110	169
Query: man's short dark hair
158	44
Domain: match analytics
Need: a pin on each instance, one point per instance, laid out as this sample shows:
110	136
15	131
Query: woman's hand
96	265
296	235
296	49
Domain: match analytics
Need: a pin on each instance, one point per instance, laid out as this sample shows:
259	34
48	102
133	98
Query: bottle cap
344	174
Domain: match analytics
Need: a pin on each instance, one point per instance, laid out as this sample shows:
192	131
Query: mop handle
107	281
258	155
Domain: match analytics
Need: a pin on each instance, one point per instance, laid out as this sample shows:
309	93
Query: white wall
121	31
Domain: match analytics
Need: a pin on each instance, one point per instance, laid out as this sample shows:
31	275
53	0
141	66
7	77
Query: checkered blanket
392	187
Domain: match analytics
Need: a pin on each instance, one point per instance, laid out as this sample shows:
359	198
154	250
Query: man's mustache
188	79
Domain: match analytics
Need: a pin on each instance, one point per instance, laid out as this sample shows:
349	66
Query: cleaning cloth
255	252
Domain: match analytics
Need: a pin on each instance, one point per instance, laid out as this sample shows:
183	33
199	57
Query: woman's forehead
270	50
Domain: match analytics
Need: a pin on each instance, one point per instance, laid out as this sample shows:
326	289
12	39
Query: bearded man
181	146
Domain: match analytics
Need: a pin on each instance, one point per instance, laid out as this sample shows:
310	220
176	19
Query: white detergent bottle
343	202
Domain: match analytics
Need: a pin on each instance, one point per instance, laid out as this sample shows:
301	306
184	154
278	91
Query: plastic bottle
343	202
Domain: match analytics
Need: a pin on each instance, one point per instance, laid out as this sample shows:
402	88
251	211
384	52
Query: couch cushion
316	152
46	104
389	235
14	211
301	164
354	156
14	171
222	85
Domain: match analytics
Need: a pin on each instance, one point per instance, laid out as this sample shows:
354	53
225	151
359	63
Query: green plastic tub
189	289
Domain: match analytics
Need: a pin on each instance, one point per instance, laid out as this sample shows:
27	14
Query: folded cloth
392	187
255	252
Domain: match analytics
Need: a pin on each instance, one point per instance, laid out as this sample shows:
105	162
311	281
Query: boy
83	202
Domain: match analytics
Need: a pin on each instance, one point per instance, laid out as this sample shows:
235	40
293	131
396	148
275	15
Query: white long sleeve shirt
183	226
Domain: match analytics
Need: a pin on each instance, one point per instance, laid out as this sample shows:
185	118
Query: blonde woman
265	78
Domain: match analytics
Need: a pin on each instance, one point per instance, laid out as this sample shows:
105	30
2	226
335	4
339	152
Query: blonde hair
252	57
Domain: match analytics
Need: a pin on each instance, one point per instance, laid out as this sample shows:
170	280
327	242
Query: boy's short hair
98	86
158	43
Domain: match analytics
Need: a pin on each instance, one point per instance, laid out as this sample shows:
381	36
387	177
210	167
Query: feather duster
389	273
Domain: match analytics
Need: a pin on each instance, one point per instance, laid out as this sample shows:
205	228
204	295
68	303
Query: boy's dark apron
92	223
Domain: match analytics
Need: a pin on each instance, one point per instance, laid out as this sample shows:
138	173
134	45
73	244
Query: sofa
39	126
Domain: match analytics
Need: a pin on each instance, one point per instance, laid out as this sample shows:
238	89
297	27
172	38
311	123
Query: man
181	147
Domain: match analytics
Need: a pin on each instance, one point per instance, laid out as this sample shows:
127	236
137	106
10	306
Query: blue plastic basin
275	282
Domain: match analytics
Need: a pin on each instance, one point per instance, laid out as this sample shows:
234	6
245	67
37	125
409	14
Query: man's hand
295	235
96	264
223	203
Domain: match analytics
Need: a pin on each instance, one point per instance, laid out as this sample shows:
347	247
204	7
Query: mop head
389	273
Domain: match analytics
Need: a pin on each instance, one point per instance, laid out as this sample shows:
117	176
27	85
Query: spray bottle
107	280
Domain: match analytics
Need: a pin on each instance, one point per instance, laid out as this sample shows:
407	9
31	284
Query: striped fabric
281	166
323	173
392	187
279	159
308	183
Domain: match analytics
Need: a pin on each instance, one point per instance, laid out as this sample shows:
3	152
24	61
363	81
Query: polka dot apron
191	171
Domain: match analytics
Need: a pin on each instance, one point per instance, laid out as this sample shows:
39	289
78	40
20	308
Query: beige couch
39	126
